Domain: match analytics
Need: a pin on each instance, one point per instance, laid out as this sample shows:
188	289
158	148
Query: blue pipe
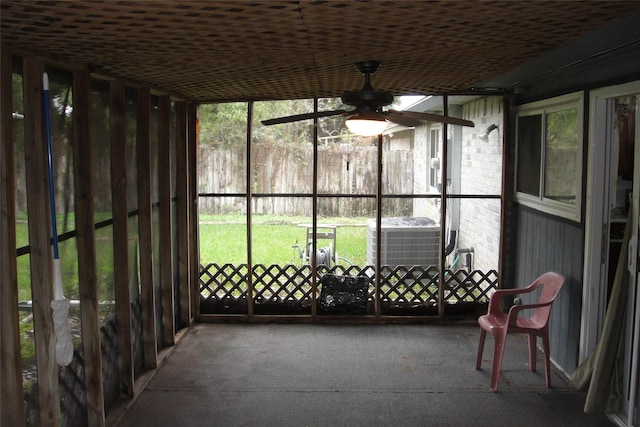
52	200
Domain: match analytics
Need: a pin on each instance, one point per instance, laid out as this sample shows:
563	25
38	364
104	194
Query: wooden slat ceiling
243	50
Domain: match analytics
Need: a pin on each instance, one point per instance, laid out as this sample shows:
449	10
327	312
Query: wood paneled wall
544	243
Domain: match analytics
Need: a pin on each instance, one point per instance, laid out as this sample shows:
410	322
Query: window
549	155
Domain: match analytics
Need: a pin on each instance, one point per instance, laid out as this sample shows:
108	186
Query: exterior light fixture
485	136
366	126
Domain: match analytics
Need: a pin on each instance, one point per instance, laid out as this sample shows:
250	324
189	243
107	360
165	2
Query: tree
226	123
223	123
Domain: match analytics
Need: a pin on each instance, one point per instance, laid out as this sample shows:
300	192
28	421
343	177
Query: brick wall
481	173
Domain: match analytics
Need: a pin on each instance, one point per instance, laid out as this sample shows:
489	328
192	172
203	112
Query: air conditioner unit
404	241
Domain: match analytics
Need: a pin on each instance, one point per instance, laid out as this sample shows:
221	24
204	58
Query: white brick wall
481	173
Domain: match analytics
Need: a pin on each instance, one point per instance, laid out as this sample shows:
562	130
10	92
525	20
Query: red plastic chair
501	324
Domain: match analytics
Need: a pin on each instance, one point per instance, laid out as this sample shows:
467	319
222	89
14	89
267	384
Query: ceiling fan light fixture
365	126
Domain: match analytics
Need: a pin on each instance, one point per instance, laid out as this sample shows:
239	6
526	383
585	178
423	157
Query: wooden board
145	229
166	246
86	243
121	237
183	214
40	241
12	402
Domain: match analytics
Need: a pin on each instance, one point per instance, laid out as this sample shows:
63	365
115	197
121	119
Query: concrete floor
350	375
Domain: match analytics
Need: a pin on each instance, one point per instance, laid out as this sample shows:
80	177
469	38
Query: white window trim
433	189
541	203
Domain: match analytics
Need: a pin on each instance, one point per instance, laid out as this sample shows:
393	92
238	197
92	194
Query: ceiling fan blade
435	118
399	118
305	116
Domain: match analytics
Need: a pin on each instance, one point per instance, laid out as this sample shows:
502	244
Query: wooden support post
379	208
166	246
443	212
86	242
41	258
249	189
314	219
145	229
121	236
12	401
193	209
184	272
504	273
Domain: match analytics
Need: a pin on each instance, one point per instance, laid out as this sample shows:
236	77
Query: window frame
435	152
540	202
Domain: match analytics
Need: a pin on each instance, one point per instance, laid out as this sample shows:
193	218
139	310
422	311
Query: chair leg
547	369
483	334
532	352
498	352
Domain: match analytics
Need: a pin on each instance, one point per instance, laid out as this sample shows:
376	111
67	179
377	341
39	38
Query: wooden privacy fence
288	169
288	289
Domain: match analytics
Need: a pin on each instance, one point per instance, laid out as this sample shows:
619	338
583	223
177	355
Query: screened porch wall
346	182
96	132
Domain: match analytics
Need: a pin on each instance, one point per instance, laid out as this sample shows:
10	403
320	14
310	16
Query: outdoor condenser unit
404	241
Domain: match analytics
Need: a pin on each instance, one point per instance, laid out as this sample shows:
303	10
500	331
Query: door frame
597	210
632	333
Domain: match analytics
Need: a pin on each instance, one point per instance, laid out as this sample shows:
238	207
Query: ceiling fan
368	117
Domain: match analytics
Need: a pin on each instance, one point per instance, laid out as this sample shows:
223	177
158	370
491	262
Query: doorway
612	207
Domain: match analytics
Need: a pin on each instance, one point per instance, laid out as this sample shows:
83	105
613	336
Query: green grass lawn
223	239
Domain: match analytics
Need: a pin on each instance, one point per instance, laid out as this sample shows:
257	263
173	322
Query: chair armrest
498	294
503	292
512	316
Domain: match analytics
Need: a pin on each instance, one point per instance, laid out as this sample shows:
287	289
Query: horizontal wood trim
356	196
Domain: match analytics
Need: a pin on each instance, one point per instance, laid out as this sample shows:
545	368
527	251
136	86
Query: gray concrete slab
350	375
